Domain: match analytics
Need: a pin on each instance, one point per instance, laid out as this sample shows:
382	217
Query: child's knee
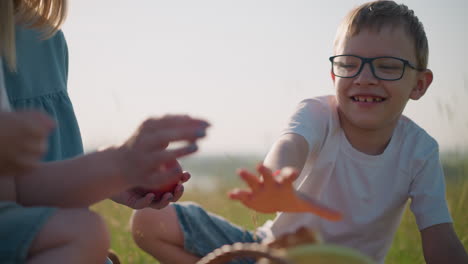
146	218
92	229
79	230
99	228
152	223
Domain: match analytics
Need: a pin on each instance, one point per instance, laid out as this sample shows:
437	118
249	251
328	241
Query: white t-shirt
370	191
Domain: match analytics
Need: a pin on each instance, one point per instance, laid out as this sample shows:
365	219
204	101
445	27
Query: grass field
210	191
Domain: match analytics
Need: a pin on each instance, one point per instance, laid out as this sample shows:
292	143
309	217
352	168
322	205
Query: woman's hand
150	166
144	157
23	140
139	198
275	193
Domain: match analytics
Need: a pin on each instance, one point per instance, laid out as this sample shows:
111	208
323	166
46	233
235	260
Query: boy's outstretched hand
275	193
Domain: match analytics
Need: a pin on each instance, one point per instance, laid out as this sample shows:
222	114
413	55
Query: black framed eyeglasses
383	68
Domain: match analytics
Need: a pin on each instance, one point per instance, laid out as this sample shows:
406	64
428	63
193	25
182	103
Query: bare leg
158	233
71	236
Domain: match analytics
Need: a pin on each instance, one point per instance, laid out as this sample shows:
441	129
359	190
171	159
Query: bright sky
241	64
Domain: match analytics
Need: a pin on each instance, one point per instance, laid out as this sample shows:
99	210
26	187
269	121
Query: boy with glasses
354	152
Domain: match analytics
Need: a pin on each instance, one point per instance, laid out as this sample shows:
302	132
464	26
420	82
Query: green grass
406	247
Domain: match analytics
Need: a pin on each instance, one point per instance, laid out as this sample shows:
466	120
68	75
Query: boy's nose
366	76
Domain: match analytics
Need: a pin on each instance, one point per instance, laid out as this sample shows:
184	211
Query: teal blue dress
40	83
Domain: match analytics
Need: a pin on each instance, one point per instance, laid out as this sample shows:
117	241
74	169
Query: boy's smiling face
365	102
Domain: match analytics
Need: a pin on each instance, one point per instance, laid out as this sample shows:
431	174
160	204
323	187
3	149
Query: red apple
161	190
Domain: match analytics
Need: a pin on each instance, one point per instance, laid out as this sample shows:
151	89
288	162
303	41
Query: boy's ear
424	81
332	76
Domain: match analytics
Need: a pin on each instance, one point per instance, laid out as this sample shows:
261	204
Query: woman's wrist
114	159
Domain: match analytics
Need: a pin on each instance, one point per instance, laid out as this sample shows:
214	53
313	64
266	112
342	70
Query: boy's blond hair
375	15
45	16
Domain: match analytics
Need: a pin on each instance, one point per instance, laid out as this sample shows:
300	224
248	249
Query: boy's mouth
367	99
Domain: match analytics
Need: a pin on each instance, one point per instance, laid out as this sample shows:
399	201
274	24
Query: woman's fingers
163	202
159	132
174	121
159	157
143	202
162	138
178	191
185	176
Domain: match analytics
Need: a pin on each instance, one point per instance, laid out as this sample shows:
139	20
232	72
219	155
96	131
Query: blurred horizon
242	65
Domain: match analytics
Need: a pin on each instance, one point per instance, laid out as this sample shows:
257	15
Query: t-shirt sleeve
310	121
427	192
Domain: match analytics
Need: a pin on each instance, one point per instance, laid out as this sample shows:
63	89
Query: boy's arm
441	245
274	192
429	206
290	150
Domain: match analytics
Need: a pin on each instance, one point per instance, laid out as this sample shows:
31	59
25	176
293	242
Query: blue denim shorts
18	227
205	232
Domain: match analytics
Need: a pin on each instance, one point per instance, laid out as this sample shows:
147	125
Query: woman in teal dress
50	216
40	83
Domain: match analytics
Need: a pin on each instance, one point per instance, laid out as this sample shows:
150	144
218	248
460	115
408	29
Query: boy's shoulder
322	100
414	139
319	104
